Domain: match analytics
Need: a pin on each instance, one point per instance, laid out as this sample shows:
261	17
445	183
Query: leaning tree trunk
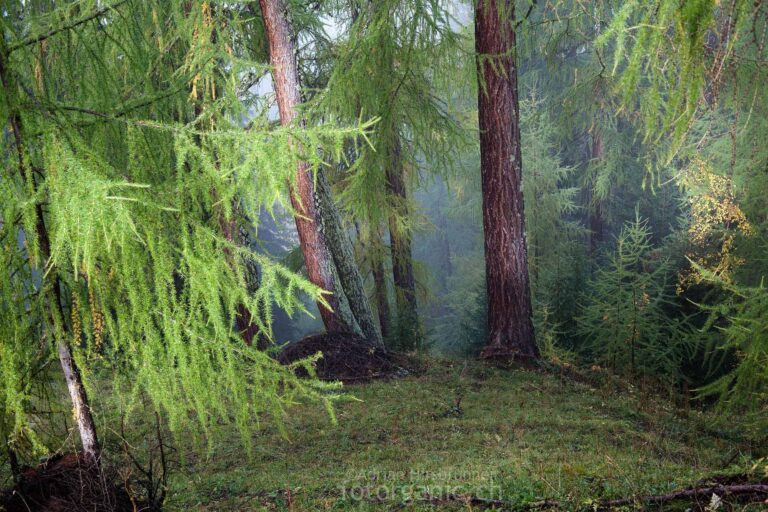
313	232
340	247
77	393
510	326
408	326
80	405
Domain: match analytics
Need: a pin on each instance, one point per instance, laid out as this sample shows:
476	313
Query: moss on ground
517	435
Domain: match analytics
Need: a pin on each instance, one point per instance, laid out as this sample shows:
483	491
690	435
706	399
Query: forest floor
468	430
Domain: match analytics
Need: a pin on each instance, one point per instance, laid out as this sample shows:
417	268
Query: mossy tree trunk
379	278
343	254
510	324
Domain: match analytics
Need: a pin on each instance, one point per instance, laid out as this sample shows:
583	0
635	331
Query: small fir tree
624	321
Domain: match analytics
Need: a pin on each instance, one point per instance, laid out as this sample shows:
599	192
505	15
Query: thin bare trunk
444	242
81	408
510	325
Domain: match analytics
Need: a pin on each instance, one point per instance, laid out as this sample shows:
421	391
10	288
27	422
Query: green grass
522	436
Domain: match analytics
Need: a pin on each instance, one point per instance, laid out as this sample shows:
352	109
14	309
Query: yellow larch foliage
716	221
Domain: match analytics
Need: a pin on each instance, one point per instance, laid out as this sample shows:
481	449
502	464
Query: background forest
573	191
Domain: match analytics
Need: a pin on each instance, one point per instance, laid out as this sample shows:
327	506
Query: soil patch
66	483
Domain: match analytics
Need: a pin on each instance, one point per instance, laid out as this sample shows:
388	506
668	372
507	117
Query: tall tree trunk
595	209
408	325
77	393
510	325
306	200
379	278
445	268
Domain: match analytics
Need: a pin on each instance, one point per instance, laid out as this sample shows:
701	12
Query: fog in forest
383	255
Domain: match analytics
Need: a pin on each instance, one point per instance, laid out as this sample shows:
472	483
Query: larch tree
698	71
116	255
510	322
388	63
325	244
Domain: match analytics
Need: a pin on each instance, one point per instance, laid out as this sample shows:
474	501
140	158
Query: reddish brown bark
596	209
317	257
510	325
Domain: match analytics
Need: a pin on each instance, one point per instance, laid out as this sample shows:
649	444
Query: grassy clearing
519	436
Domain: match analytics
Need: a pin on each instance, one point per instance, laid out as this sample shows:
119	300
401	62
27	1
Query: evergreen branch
42	37
120	113
527	14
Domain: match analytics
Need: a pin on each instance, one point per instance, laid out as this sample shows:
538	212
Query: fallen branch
491	503
694	493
